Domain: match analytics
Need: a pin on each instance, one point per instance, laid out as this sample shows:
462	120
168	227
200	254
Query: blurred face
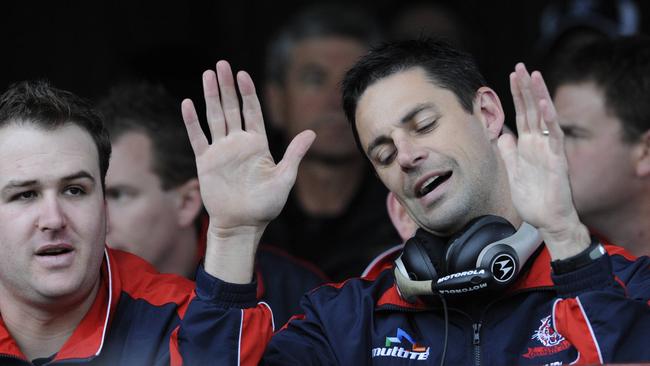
312	94
52	214
601	168
434	156
142	216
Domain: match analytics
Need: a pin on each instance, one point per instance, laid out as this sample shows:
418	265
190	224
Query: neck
182	261
325	189
40	330
627	227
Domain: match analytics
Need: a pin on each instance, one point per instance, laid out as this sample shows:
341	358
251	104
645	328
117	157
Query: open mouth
431	184
53	251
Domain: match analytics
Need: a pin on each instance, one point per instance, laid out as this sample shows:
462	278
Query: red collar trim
393	297
8	345
382	261
539	274
88	338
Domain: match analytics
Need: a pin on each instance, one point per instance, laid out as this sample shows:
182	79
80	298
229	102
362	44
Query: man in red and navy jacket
67	299
422	115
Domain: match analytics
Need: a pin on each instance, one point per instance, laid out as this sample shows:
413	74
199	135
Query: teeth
424	189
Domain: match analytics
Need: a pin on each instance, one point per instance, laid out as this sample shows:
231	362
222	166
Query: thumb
294	154
508	150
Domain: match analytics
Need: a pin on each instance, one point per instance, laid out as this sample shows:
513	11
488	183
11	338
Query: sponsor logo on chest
402	345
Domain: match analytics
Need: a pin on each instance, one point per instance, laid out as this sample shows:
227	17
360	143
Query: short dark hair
149	109
621	69
318	21
446	67
42	105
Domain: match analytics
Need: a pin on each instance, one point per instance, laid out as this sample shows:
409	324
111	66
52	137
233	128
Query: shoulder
140	280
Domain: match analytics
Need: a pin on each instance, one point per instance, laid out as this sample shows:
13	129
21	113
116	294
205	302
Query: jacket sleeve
605	313
302	341
223	325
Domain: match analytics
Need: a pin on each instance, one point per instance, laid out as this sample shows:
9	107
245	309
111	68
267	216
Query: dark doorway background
86	46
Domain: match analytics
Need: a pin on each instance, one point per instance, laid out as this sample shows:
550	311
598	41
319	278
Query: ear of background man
642	153
189	202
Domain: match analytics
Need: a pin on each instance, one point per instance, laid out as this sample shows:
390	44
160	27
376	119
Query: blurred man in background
602	94
335	215
154	200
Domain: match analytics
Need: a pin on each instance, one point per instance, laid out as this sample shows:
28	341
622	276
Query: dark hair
316	22
445	66
149	109
621	68
42	105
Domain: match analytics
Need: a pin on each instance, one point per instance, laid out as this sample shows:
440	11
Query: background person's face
52	214
142	216
601	169
312	94
420	132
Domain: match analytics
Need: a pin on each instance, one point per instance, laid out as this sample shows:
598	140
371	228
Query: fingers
195	133
546	106
532	114
222	106
294	154
251	108
229	100
216	120
520	107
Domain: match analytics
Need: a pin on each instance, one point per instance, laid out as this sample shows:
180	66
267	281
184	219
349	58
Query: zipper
477	343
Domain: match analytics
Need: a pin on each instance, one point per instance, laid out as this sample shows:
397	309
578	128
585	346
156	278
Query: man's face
312	94
601	167
435	157
52	214
142	216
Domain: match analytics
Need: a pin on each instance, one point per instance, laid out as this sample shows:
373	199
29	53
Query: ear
399	217
487	107
274	98
189	202
642	155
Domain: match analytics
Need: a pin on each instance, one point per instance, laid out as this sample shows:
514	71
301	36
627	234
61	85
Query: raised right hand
241	185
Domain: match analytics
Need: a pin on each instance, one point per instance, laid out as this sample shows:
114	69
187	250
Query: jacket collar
88	338
536	277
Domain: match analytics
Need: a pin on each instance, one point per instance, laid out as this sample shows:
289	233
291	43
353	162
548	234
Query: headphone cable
444	310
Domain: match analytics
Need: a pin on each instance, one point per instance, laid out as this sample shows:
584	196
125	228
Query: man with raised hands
430	126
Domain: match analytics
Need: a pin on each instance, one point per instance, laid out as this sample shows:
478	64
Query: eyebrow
82	174
14	184
405	119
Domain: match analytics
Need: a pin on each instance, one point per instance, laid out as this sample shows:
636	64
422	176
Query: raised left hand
538	169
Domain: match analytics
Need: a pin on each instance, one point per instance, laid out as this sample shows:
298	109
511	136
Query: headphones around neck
487	254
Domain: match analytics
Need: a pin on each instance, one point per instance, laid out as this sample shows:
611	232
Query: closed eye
425	126
385	156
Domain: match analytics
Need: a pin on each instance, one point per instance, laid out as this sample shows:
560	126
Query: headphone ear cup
422	256
464	248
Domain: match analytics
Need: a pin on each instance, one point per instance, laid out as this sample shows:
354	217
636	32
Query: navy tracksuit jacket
598	313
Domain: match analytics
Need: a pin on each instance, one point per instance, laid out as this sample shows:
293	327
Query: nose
409	154
51	217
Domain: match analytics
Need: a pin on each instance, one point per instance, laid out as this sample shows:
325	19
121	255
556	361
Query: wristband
584	258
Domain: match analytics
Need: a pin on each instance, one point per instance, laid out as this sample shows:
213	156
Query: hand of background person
538	169
242	188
